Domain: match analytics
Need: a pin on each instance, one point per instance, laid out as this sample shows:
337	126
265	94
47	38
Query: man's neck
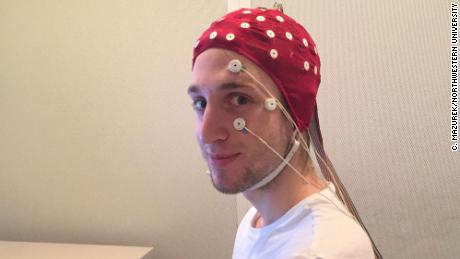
283	193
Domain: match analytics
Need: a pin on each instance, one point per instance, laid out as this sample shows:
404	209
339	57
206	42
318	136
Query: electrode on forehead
270	104
235	66
239	123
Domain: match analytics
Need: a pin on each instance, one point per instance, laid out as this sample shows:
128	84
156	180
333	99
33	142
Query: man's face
236	160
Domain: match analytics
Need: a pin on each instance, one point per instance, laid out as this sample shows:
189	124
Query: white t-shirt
313	229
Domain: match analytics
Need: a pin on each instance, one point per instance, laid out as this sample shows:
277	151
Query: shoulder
336	233
340	242
338	236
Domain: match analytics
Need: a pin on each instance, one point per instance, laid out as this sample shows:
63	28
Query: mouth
220	160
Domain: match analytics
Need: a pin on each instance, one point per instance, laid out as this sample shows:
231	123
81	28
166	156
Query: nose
211	126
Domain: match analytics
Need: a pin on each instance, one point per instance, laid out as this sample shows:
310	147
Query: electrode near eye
235	66
270	104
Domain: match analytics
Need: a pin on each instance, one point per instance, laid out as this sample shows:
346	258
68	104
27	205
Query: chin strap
277	170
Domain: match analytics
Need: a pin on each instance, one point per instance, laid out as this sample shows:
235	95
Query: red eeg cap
280	46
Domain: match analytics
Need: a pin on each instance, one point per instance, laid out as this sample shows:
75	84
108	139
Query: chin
226	190
225	187
228	185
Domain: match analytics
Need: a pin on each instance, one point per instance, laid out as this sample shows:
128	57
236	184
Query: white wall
97	131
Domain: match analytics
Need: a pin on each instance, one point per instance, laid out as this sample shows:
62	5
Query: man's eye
199	104
239	100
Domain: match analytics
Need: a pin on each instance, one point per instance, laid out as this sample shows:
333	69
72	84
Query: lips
220	160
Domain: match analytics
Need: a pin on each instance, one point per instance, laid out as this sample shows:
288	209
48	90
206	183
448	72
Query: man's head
280	61
237	161
279	46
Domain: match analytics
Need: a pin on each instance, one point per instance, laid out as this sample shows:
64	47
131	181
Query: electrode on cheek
239	124
235	66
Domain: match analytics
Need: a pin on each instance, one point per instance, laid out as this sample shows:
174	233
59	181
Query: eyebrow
223	87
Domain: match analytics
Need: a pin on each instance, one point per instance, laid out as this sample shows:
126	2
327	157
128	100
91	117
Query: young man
254	82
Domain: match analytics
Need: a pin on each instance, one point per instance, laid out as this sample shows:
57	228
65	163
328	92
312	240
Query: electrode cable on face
279	169
235	66
282	108
288	116
240	125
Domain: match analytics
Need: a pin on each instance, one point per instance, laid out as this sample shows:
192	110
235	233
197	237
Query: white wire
305	146
278	154
346	213
288	116
302	141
